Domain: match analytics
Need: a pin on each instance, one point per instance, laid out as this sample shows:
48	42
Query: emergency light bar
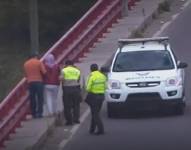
143	40
163	40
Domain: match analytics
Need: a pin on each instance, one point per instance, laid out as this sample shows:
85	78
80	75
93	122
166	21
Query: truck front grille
143	84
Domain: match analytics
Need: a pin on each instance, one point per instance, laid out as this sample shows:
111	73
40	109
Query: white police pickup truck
145	75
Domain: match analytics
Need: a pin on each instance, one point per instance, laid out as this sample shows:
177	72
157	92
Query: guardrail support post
34	35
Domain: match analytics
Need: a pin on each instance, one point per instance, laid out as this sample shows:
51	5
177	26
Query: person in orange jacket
34	72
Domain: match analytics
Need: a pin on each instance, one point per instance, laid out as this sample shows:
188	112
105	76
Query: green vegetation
154	16
55	18
164	6
137	34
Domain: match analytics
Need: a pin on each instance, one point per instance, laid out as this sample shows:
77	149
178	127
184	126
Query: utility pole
34	33
124	8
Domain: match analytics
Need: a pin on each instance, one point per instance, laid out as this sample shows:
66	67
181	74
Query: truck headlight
114	84
173	81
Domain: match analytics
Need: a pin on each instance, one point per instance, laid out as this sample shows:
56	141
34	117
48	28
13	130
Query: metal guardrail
73	44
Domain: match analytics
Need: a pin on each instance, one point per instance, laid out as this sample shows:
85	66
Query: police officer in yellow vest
96	86
70	76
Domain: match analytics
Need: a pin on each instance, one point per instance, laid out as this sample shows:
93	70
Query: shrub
164	6
137	34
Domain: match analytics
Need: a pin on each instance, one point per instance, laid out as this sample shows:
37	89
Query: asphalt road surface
153	132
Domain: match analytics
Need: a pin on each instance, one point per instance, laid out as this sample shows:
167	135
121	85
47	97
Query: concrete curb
43	137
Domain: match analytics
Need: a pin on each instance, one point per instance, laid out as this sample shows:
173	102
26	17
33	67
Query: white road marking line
74	130
175	16
83	117
187	3
162	29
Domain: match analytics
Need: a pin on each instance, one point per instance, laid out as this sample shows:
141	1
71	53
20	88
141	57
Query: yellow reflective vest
96	83
71	73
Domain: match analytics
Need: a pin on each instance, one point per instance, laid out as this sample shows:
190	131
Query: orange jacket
34	70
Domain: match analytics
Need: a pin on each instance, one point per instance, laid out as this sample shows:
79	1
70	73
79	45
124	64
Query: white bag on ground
60	107
60	104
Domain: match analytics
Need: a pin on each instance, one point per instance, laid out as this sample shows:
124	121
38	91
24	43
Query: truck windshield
143	61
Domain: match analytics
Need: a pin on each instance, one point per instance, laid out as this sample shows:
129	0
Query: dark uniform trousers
95	102
36	98
71	100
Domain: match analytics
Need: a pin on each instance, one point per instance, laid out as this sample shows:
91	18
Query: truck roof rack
123	42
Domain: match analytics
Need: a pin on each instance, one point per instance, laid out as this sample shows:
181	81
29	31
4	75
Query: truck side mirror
105	69
182	65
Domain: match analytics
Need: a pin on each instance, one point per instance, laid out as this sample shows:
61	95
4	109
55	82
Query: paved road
147	133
